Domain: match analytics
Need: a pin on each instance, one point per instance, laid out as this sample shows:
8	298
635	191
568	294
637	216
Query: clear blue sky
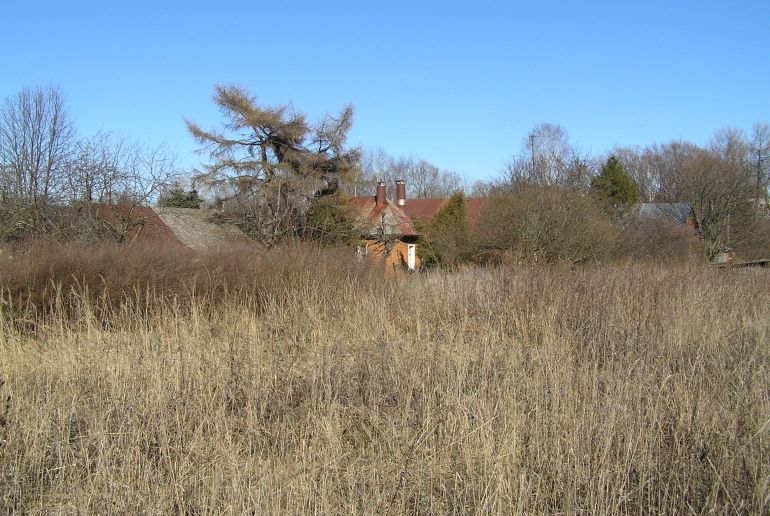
458	83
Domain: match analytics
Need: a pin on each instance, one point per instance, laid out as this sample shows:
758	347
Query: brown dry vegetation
292	384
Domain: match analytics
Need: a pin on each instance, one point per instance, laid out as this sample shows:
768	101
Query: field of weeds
160	382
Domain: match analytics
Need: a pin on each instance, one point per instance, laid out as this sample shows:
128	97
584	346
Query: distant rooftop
394	218
425	209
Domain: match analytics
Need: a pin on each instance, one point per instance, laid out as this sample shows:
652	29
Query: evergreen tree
614	189
177	197
331	221
446	240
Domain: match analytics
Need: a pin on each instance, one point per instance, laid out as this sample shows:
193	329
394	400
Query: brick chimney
380	197
400	192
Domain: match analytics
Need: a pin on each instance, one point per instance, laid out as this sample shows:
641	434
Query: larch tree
268	163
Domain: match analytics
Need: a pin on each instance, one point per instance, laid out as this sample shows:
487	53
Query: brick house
387	228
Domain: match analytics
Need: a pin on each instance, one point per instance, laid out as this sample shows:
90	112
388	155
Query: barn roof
147	228
195	228
190	227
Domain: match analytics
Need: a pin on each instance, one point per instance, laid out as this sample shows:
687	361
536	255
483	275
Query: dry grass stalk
313	388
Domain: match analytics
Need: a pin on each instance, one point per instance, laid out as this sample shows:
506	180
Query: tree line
277	175
725	181
554	203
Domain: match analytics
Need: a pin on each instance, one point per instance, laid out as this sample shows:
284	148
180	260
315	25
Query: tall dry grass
320	389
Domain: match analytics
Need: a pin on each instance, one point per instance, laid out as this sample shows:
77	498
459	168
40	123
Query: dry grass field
294	384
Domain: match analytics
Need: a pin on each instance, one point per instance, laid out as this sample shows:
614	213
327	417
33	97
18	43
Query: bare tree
639	165
721	193
731	146
98	168
37	138
547	158
760	160
269	163
386	234
424	180
373	164
533	222
51	183
549	151
111	180
481	188
429	181
667	166
720	181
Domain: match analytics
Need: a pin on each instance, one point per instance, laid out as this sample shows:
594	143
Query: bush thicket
528	222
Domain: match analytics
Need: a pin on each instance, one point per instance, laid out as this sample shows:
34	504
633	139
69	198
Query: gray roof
679	212
194	228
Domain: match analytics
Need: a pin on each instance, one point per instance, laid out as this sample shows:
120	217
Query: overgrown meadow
301	381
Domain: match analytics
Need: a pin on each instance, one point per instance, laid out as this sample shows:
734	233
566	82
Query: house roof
425	209
195	229
678	212
147	228
188	227
395	219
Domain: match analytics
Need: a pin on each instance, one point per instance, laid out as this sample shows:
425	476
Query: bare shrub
543	223
753	238
43	277
659	240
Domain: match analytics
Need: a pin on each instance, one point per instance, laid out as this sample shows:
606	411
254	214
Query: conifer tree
269	163
177	197
331	221
614	189
446	240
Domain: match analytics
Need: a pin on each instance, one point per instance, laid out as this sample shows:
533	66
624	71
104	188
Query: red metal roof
425	209
475	205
